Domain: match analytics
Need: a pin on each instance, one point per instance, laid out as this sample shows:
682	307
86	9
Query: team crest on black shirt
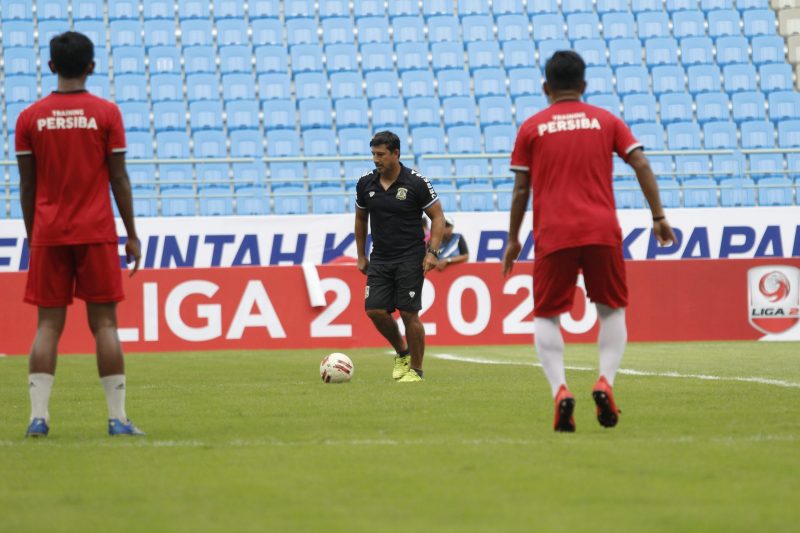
401	193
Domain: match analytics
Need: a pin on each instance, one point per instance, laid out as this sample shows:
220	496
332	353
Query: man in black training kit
392	197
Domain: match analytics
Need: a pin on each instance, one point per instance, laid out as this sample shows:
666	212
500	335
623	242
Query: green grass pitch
254	441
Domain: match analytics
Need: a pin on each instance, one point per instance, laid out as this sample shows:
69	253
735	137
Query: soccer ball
336	368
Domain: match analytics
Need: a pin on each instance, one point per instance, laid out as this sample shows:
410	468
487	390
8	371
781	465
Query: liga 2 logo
774	298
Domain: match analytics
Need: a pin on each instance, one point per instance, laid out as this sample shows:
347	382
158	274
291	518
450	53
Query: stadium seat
477	28
290	200
324	173
315	113
267	31
12	114
298	8
411	56
784	105
668	79
369	8
19	61
351	112
159	33
399	8
699	192
279	114
99	85
387	112
319	143
199	60
444	29
346	85
583	26
177	201
548	26
697	51
675	107
209	144
417	83
283	143
428	140
688	24
739	78
437	7
593	52
212	174
704	78
789	134
759	22
631	80
499	138
235	59
354	141
527	106
140	145
542	6
690	166
305	57
639	108
549	47
232	31
661	51
577	6
447	196
524	81
513	27
683	136
193	9
271	59
724	22
249	174
618	25
341	58
625	52
304	31
195	32
768	49
123	9
662	165
472	7
408	30
169	87
423	111
737	192
171	176
377	56
172	144
52	10
776	77
436	170
712	107
311	85
627	194
464	140
381	84
495	110
145	203
328	199
670	192
135	116
164	60
459	110
748	106
87	10
652	24
205	115
143	177
757	134
131	88
158	9
276	86
476	197
732	50
128	59
215	201
50	28
447	55
775	191
765	165
709	5
242	114
609	102
488	82
20	89
650	134
483	54
18	33
728	165
503	192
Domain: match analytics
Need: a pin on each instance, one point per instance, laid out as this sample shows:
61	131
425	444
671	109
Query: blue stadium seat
542	6
267	31
720	135
311	85
124	33
618	25
757	134
599	80
459	110
710	5
304	31
513	27
50	28
283	143
249	174
381	84
732	49
276	86
351	112
625	52
99	85
128	59
784	105
759	22
661	51
165	87
472	7
52	10
177	201
675	107
354	141
483	54
632	80
246	143
242	114
652	24
369	8
548	26
49	84
683	136
723	22
403	7
775	191
411	56
408	30
697	51
333	8
199	86
549	47
234	59
279	114
172	144
423	111
503	192
347	85
199	59
524	81
140	145
668	79
324	173
195	32
205	115
593	51
688	24
271	58
789	134
712	107
477	28
428	140
766	165
209	143
699	192
691	166
228	9
231	31
212	174
670	192
489	82
315	113
328	199
728	165
583	26
748	106
476	197
281	174
627	194
447	196
752	4
131	88
145	203
447	55
169	116
495	110
142	177
175	176
377	56
19	61
16	10
193	9
704	78
159	33
158	9
417	83
639	108
306	57
298	8
290	200
12	114
444	28
20	89
737	192
435	169
341	57
463	140
339	30
437	7
215	201
387	112
527	106
650	134
499	138
768	49
577	6
609	102
453	83
164	60
776	77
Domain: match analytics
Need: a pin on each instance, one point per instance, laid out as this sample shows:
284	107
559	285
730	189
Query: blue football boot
37	428
117	427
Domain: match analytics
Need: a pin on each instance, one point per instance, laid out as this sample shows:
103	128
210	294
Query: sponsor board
774	298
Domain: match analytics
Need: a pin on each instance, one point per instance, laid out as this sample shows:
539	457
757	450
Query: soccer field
708	440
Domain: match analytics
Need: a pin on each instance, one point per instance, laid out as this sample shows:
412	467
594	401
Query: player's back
70	136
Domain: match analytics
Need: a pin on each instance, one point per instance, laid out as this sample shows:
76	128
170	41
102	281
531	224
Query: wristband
434	252
658	219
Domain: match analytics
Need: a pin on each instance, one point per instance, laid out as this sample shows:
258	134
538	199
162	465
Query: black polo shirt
395	215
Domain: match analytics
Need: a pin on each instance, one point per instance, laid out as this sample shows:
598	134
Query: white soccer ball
336	368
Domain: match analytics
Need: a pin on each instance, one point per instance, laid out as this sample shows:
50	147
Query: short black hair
564	71
387	138
71	53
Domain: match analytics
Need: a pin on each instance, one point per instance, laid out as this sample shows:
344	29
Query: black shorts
394	286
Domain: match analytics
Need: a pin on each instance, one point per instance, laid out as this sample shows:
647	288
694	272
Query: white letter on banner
515	322
321	326
265	316
211	312
150	301
589	318
484	304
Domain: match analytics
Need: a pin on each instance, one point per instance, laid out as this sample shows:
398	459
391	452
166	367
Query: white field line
629	371
145	442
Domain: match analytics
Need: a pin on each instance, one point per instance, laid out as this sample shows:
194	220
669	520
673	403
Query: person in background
454	247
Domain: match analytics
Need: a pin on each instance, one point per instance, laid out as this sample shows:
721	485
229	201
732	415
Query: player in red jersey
70	146
565	153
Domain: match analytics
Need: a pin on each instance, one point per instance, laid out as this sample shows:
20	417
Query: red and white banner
315	307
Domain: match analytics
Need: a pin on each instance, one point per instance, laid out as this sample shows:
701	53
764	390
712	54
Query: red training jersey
70	136
568	151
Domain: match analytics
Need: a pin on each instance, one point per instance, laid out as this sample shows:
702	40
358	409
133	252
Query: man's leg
611	340
42	359
387	326
550	349
110	362
415	334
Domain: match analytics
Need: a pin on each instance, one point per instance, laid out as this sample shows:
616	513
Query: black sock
418	371
404	353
